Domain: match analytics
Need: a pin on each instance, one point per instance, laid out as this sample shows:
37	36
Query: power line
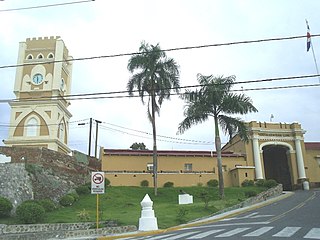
45	6
92	96
164	50
194	142
162	136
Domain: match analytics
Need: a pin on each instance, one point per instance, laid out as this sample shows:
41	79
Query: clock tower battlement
44	68
39	115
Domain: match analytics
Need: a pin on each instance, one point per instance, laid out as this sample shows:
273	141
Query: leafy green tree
154	75
138	146
215	99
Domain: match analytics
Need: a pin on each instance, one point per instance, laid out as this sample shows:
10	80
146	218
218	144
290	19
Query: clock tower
39	114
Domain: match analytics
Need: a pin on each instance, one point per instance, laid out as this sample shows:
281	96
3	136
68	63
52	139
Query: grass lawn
122	204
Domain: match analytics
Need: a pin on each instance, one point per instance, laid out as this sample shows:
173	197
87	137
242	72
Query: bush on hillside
168	184
247	183
106	182
66	200
47	204
250	194
270	183
30	212
5	207
75	195
144	183
213	183
260	183
83	190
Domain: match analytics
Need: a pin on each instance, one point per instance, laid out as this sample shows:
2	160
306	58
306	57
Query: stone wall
40	173
261	197
58	231
15	183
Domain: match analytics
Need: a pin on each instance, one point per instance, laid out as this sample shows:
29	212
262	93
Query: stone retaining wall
272	192
57	231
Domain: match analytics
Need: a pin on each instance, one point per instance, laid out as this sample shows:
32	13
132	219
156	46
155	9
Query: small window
40	56
150	167
246	174
32	127
50	55
188	167
61	132
30	57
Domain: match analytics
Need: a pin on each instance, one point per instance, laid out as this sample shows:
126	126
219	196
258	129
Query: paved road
295	217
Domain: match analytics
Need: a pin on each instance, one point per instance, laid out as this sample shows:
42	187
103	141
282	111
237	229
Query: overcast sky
112	27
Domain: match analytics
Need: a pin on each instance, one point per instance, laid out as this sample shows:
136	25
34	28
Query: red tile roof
312	145
175	153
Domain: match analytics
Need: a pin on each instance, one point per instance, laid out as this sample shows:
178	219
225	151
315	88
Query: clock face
37	78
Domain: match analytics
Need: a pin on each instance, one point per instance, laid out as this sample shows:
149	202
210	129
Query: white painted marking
232	232
157	237
287	232
205	234
229	224
259	216
314	233
258	232
181	235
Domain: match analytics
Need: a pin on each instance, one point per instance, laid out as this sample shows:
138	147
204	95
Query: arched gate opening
276	165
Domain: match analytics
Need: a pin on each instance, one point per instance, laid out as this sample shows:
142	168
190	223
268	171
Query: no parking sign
97	182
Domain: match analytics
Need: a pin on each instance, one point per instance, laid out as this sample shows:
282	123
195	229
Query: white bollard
147	221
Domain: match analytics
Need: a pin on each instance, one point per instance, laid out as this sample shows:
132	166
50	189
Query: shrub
106	182
75	195
168	184
30	212
270	183
5	207
250	194
247	183
66	200
213	183
260	183
182	215
144	183
83	215
47	204
83	190
205	196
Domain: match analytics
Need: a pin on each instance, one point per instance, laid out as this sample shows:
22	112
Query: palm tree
154	76
216	100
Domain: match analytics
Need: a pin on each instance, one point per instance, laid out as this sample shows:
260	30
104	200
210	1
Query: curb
211	219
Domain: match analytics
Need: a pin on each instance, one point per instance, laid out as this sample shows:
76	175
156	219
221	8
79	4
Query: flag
308	37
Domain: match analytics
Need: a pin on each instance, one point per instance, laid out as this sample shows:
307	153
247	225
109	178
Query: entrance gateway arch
277	152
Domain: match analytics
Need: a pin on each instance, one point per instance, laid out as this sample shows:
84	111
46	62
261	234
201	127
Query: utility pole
90	130
96	145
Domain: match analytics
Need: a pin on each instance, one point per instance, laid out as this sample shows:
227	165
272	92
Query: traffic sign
97	182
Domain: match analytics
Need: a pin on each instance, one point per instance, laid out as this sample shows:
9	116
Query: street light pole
96	145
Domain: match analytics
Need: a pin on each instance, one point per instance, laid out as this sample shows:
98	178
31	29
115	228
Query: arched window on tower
61	132
32	127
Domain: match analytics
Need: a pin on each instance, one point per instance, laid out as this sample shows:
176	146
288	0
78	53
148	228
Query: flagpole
314	56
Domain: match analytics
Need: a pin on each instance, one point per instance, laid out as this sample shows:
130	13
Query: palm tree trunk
219	158
155	160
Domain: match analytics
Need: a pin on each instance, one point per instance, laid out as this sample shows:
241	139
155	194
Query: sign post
97	187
